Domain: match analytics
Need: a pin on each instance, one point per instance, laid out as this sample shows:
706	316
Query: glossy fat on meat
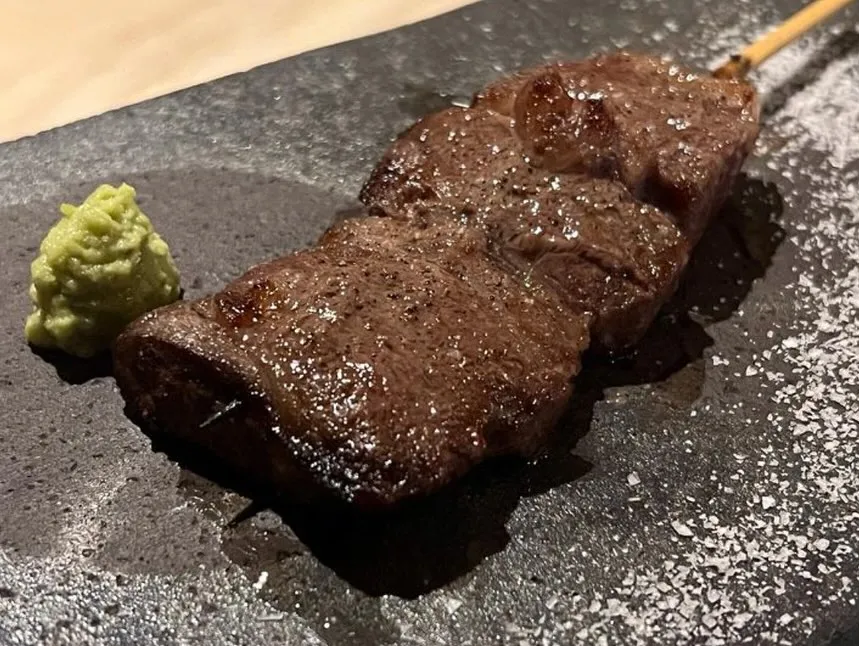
601	250
381	364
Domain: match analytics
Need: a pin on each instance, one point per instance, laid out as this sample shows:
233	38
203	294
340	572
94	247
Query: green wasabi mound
99	267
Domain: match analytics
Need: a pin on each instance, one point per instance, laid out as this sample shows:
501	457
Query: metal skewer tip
223	411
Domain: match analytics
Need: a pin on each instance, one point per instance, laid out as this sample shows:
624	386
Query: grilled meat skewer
447	326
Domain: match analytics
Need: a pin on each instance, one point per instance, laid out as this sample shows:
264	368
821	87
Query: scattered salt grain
261	581
681	529
452	605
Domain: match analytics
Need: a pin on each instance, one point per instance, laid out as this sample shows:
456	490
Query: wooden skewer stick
752	56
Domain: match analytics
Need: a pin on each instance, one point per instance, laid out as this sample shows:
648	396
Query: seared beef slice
548	162
381	364
604	252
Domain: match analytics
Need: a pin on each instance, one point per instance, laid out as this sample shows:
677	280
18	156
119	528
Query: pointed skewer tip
218	414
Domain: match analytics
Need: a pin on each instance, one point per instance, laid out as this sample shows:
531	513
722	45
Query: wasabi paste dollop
101	266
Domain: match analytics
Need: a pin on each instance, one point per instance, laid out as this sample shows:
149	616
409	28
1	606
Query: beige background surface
63	60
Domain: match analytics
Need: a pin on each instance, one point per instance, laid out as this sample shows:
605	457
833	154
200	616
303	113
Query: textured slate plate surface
703	491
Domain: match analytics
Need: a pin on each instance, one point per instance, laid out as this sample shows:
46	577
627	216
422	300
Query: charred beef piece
549	162
603	252
381	364
674	138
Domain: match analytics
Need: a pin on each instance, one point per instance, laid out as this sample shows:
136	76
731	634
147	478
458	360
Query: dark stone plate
704	490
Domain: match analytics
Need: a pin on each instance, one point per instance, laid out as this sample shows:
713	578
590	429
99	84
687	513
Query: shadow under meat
429	543
735	250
